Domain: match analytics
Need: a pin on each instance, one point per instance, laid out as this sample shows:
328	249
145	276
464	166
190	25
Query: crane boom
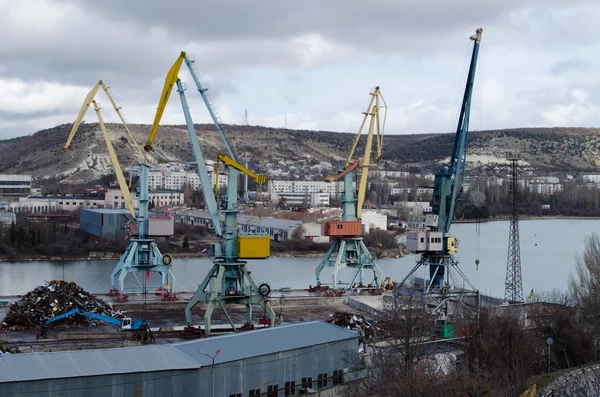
89	99
209	198
170	80
448	181
377	129
202	90
84	108
354	165
116	165
258	178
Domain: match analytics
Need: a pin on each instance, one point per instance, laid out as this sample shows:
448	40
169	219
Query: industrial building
292	359
277	229
301	199
15	185
334	189
177	180
372	219
41	204
159	198
111	223
7	218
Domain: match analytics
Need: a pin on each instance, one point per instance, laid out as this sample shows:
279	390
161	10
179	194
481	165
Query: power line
513	286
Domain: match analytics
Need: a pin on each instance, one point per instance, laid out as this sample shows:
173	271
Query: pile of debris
58	297
365	325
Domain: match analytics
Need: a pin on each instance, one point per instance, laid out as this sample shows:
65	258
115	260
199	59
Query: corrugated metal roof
177	356
274	223
69	364
106	210
264	341
67	197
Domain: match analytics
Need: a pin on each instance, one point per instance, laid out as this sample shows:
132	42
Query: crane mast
229	280
434	244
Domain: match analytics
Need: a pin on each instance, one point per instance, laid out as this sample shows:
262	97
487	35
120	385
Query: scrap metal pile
364	325
58	297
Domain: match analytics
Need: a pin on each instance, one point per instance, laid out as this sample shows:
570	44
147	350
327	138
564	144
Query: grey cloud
570	65
290	100
132	44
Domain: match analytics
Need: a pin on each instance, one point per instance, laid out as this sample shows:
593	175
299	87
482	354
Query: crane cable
479	108
477	234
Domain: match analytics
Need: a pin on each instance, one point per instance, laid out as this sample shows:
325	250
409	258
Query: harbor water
548	250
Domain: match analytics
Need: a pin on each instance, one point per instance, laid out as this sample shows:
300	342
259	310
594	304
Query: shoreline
175	256
529	218
289	254
292	254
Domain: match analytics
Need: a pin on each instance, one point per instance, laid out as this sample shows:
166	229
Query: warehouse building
288	360
111	223
277	229
15	185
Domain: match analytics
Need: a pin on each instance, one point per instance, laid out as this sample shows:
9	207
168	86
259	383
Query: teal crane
229	280
434	244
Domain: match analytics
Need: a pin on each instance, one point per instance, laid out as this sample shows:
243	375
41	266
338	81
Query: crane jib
448	181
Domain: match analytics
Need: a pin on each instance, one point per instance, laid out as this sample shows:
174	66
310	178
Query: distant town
295	194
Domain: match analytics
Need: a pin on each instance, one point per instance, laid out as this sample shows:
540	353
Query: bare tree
584	285
298	232
397	364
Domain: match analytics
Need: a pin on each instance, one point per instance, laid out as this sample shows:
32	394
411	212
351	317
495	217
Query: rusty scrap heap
44	302
364	325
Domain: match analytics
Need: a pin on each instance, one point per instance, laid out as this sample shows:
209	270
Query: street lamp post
212	368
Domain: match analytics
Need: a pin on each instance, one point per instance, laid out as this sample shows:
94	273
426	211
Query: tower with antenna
246	117
513	286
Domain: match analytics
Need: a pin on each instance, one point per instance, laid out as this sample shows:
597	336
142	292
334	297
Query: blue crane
229	280
434	244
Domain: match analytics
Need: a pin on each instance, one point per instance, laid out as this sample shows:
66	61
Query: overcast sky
312	61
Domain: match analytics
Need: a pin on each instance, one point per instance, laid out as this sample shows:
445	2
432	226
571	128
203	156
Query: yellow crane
142	253
89	100
348	249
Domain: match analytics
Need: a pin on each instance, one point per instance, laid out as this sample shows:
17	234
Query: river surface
548	249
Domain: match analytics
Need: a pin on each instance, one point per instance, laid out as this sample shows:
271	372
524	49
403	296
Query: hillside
548	149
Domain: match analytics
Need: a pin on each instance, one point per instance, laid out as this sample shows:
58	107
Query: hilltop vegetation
548	149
